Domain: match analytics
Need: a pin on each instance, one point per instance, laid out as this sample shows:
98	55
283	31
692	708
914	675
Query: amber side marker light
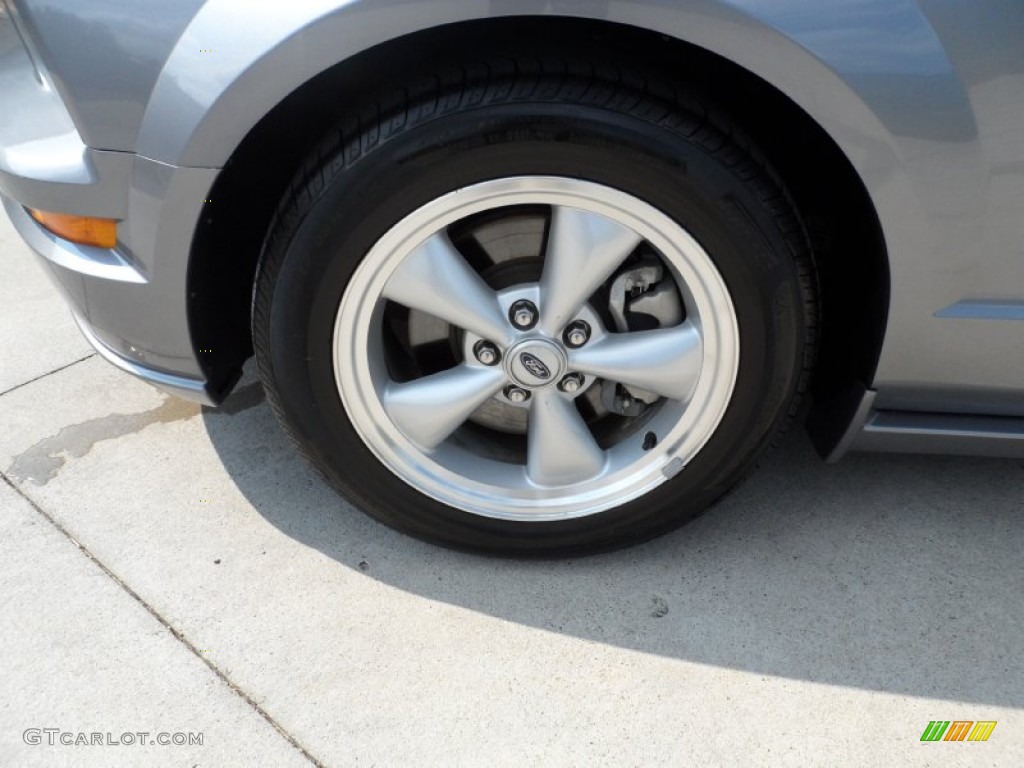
85	230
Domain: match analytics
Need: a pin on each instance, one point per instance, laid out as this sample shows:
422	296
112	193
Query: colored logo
958	730
534	366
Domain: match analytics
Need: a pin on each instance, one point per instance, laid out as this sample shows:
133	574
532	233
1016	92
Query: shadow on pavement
893	573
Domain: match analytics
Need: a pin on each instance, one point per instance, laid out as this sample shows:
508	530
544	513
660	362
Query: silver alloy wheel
414	427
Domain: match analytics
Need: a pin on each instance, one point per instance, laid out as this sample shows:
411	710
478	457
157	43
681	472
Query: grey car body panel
104	57
43	161
133	298
908	432
925	98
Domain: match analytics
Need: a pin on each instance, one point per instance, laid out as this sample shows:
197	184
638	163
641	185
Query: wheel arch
839	213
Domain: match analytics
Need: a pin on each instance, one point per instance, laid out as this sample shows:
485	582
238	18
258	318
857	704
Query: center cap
535	363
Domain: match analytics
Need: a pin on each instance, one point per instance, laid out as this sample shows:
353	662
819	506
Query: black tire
453	129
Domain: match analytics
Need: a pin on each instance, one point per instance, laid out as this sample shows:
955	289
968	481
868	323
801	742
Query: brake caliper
636	293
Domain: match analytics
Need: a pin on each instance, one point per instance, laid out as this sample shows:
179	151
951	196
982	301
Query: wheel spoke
666	361
436	279
427	410
561	450
583	251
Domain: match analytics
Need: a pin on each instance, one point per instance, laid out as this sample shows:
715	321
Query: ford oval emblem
534	366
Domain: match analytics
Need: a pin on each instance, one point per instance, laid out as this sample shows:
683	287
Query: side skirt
942	433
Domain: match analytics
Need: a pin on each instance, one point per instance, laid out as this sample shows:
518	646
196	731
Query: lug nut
571	383
486	353
523	314
576	334
516	394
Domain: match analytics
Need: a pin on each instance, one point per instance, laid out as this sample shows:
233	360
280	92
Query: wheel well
843	229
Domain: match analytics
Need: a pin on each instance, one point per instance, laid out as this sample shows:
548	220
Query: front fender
865	69
874	74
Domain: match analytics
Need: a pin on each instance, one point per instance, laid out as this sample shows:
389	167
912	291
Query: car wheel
534	314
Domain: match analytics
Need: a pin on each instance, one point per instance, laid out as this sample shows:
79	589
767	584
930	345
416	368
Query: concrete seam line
48	373
156	615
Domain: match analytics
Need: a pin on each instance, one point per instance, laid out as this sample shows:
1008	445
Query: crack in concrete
42	462
178	634
16	387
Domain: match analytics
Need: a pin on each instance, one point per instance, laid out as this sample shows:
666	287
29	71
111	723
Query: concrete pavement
167	568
